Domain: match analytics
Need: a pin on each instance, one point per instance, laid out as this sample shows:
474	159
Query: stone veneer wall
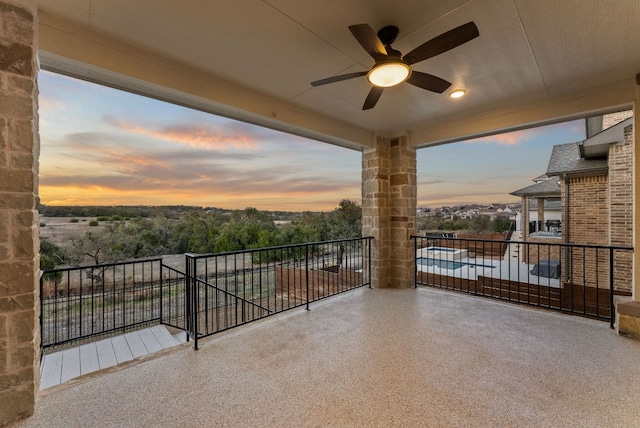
19	150
389	210
621	207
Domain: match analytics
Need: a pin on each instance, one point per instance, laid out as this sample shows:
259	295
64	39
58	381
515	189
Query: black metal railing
231	289
86	301
173	305
217	291
578	279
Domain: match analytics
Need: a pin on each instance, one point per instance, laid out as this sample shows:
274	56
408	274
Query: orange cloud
129	163
207	137
274	200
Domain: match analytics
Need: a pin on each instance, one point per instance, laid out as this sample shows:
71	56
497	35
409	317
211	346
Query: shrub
74	220
43	224
93	223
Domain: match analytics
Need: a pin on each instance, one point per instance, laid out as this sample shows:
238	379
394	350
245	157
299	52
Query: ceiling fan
391	68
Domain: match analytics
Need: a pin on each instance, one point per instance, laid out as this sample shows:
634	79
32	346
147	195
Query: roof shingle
565	159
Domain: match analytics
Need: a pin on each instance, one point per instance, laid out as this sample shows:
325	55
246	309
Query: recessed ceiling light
458	93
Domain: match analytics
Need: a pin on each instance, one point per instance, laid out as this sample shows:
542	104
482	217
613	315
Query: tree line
199	231
477	224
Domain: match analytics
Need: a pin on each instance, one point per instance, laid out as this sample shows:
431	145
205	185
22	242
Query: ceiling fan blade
372	98
442	43
428	82
369	40
339	78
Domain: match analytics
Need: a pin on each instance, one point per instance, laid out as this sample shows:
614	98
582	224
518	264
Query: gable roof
547	188
566	159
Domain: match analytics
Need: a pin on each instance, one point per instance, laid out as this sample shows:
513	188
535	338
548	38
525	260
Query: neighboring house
591	180
541	209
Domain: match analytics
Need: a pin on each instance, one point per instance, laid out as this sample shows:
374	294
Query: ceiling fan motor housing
388	34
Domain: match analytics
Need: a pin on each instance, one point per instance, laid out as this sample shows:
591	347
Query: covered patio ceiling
533	63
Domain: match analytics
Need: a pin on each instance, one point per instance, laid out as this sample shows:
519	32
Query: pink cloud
129	163
509	138
207	137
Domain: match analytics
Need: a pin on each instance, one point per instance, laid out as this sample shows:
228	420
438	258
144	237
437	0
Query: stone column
628	313
541	226
389	195
19	243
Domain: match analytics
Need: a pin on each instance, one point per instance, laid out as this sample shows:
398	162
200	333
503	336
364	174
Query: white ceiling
535	61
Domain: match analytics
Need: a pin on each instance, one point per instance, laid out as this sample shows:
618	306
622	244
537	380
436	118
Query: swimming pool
448	264
442	253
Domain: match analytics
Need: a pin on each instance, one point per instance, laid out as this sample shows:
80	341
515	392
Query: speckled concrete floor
375	358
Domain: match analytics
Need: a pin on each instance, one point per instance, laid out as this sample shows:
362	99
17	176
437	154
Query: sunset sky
101	146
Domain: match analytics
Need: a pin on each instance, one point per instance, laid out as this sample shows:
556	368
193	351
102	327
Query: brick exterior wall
621	207
588	210
608	120
389	195
588	224
19	261
535	253
601	213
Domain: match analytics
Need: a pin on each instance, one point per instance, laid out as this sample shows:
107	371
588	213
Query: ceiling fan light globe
389	74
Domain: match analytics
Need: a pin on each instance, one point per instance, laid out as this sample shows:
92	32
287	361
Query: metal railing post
195	298
41	317
161	292
196	303
307	272
612	309
369	239
191	300
415	261
187	299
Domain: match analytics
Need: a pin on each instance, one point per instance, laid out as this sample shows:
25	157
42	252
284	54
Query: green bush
94	223
43	224
103	218
74	220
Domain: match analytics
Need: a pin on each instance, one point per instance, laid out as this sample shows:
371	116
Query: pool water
448	264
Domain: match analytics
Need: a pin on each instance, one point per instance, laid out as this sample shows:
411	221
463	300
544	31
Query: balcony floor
375	358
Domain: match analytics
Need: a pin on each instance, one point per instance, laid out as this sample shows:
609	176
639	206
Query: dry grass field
60	230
